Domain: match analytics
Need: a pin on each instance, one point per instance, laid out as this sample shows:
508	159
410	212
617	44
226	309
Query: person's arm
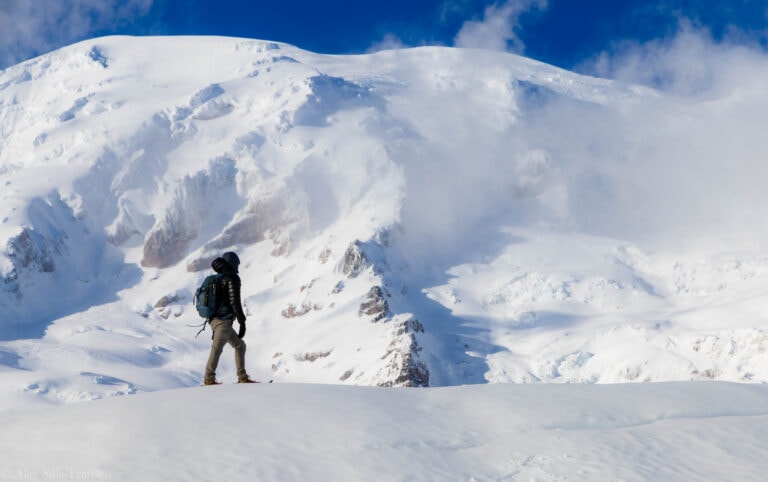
234	298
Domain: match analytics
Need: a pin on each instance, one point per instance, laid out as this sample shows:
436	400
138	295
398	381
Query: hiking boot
246	380
211	382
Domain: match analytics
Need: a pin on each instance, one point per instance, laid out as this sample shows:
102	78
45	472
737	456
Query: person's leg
221	331
239	345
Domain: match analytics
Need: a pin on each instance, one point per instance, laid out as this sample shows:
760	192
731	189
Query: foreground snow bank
664	431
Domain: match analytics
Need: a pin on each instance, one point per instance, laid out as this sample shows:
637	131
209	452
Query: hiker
230	309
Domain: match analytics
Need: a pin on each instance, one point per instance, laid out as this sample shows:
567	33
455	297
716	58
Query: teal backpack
207	298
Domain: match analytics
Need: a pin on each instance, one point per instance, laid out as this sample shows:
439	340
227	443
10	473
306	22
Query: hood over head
227	263
231	258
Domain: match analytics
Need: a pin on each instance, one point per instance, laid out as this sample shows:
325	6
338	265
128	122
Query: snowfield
297	432
526	244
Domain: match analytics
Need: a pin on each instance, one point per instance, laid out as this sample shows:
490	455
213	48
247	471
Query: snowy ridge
418	217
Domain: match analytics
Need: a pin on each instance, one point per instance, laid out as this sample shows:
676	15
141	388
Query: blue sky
582	35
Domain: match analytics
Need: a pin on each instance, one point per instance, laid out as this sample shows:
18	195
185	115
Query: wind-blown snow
423	217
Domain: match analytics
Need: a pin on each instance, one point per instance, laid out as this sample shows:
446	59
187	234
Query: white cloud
390	41
665	168
692	161
498	28
32	27
690	64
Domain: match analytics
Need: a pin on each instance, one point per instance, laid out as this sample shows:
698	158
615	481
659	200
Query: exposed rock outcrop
405	367
375	305
32	250
190	209
354	261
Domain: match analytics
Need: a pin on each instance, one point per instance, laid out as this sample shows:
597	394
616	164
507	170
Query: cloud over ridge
29	28
498	28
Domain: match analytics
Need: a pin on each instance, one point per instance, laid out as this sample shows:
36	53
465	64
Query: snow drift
296	432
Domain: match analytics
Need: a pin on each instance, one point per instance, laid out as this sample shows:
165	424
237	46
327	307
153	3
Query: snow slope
429	216
296	432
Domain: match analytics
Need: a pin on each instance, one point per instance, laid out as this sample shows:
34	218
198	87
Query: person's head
231	259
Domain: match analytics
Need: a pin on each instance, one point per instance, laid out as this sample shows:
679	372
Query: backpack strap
203	324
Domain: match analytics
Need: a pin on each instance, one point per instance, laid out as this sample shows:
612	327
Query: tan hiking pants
223	333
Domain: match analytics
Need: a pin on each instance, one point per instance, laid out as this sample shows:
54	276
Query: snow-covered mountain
432	216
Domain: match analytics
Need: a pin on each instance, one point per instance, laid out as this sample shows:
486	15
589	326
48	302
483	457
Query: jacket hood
231	258
219	265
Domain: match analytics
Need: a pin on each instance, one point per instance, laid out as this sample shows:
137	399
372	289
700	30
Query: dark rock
374	305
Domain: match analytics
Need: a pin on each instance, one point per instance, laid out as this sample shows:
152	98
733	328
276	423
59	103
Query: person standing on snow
230	310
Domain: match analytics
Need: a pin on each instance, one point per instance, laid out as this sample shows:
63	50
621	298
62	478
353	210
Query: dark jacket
229	291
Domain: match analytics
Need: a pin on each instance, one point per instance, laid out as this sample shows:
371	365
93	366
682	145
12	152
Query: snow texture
298	432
